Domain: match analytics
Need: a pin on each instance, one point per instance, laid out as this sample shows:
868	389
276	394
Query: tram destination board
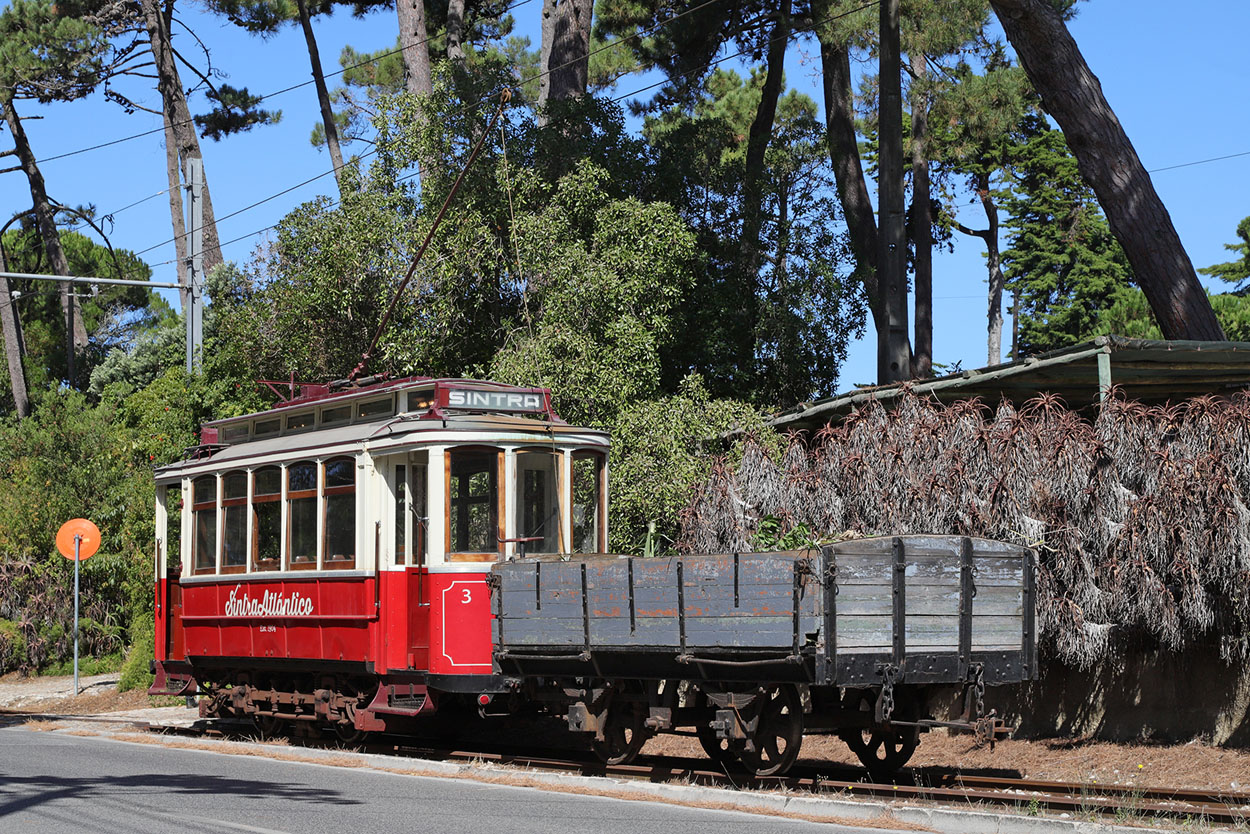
928	606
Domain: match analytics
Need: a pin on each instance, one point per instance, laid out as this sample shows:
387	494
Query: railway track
947	786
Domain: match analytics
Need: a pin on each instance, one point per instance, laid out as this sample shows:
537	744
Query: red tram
326	560
359	558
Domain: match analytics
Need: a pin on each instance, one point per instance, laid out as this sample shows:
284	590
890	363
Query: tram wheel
348	733
269	726
778	734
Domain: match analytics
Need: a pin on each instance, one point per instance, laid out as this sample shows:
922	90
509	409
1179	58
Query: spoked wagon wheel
778	735
624	734
717	749
880	751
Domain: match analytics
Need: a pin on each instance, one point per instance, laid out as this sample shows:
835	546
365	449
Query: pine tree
1238	271
1062	260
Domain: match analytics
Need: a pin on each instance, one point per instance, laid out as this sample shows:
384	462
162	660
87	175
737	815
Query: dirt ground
1192	765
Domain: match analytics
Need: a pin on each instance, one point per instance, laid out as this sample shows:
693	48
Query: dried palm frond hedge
1139	518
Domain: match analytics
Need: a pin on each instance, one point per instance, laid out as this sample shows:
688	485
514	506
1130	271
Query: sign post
77	539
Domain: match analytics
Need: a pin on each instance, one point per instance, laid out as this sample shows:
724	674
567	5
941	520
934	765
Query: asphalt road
52	782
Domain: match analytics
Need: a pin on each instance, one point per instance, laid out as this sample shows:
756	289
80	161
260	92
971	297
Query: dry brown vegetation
1139	519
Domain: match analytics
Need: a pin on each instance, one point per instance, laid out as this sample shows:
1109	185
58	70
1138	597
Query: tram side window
473	493
587	502
204	524
302	515
234	509
340	514
537	502
173	530
267	518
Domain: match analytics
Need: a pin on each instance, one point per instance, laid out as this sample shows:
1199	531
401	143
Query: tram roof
395	431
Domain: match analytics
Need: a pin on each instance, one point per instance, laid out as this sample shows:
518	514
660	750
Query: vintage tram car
358	559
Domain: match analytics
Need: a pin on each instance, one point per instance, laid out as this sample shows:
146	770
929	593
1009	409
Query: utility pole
893	354
193	296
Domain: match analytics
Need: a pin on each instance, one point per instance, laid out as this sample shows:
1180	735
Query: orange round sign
88	535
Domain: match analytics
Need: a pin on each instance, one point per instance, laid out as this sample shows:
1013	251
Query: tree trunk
754	175
1072	95
173	176
178	123
994	266
12	344
418	78
994	354
893	356
455	33
323	95
921	220
45	220
565	53
848	171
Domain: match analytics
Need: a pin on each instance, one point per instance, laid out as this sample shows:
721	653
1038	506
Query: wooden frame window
473	504
173	530
589	502
267	518
234	522
204	524
339	514
301	515
300	422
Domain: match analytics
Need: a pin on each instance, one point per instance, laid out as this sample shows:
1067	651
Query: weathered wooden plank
932	632
877	599
860	631
998	600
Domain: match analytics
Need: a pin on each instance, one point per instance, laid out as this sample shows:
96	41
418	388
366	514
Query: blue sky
1171	73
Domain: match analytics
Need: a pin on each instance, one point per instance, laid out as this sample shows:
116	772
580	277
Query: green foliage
235	110
1238	271
12	647
51	51
771	535
612	275
662	450
135	672
1129	314
1062	260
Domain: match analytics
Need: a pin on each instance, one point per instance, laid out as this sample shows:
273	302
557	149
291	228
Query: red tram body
342	540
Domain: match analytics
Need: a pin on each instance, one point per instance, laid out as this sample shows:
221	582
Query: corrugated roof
1150	370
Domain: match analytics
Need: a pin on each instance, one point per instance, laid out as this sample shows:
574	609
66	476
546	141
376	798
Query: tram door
412	553
175	645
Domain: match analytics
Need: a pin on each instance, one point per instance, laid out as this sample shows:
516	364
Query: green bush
12	647
135	671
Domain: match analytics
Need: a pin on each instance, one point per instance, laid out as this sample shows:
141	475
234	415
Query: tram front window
473	493
340	513
204	514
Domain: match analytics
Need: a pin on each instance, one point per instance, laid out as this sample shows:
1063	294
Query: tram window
234	509
264	428
267	518
410	518
340	514
375	408
204	522
299	422
302	515
173	529
341	414
587	502
473	494
235	433
537	503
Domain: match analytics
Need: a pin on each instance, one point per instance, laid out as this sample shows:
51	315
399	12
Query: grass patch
86	666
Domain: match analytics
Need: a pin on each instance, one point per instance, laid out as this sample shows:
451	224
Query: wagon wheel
880	751
624	732
778	733
716	748
347	733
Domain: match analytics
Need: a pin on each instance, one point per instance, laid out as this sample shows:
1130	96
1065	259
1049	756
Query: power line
265	97
1198	162
477	104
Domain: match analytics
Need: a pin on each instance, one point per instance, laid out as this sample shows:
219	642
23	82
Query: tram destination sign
480	400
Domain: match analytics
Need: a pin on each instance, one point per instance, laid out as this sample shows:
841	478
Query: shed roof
1149	370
